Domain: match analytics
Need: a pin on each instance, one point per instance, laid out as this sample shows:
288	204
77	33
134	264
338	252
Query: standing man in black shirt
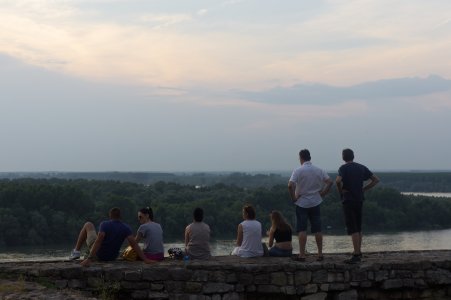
350	180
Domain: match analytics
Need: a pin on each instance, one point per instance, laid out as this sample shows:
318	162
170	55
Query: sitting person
105	245
249	237
281	232
197	237
151	233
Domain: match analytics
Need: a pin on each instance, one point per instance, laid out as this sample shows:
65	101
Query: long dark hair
279	222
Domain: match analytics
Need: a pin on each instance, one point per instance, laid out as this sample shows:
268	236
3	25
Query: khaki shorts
90	239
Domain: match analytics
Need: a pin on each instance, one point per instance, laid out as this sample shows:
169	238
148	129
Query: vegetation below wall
40	211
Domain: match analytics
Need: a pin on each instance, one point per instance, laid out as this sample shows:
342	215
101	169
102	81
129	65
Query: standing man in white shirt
307	185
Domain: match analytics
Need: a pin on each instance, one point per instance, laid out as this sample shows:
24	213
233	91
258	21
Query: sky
223	85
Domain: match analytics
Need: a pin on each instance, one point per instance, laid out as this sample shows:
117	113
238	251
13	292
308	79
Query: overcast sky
227	85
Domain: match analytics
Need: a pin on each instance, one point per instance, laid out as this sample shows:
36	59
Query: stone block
155	274
193	287
231	296
239	288
438	277
392	284
335	277
180	274
200	275
156	286
311	288
132	275
114	275
76	284
61	284
381	275
49	272
319	276
338	286
372	294
262	279
300	290
251	288
134	285
268	289
278	278
157	295
139	294
408	282
324	287
246	279
288	290
420	283
174	286
302	277
317	296
217	276
359	275
72	272
366	284
231	278
347	295
95	282
290	279
217	287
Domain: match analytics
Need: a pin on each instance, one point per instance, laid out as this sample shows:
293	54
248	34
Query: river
418	240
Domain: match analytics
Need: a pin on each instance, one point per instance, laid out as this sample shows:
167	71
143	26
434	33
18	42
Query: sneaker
74	255
355	259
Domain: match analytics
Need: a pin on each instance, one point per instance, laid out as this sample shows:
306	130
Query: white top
252	239
309	182
199	236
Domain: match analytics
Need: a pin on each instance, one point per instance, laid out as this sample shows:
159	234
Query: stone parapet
382	275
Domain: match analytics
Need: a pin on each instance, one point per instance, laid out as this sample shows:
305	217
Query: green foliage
39	211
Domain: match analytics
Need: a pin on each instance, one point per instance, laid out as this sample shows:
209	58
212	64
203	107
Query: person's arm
138	237
339	183
132	242
291	190
271	237
94	249
373	181
239	237
186	236
328	183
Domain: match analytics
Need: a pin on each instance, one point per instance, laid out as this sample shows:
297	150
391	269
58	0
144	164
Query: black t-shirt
282	236
353	176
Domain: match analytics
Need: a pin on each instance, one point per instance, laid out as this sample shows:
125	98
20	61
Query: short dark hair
198	214
115	213
250	211
148	211
304	154
348	154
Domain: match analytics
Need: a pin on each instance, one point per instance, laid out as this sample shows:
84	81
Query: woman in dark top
280	232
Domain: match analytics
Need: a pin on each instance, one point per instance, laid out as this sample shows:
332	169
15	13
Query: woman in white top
249	237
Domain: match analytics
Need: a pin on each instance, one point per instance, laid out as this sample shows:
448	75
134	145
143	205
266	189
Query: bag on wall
129	254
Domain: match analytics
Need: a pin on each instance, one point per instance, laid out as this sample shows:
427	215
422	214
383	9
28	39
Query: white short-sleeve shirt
309	182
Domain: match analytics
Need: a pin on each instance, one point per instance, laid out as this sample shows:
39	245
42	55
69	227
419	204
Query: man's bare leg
319	243
88	226
356	242
302	241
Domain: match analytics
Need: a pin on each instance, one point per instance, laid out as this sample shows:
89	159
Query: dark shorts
353	216
304	214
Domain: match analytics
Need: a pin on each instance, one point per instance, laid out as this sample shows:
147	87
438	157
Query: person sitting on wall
105	245
249	236
152	235
281	232
197	237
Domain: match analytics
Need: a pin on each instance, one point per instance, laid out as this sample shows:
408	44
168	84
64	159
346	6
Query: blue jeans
274	251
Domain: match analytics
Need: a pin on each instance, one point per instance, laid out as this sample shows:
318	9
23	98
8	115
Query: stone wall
389	275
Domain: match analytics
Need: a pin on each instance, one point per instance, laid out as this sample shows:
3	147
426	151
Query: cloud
164	20
321	94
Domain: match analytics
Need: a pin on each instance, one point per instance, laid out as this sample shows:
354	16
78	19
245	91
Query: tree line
51	211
